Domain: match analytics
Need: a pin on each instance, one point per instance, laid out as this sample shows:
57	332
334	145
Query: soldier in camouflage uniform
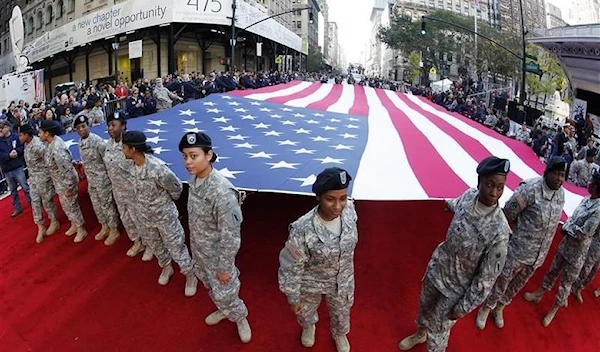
215	226
318	259
535	207
590	268
40	183
64	177
92	149
578	232
463	268
120	172
156	188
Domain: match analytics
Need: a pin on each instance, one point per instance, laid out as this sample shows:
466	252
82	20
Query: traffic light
423	31
311	17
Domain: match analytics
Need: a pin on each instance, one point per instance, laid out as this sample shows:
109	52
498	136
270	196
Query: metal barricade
110	107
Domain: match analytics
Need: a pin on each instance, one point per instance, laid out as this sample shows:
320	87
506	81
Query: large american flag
396	146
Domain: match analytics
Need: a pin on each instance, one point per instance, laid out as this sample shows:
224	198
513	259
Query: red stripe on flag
269	89
331	98
299	95
427	164
360	107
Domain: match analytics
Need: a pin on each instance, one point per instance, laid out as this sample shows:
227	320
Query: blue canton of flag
261	145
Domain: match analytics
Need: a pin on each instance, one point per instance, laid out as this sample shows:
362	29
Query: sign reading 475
214	6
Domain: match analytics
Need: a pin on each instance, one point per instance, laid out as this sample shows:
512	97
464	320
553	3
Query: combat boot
308	336
102	234
81	233
41	233
498	316
135	249
244	332
341	343
191	285
214	318
550	316
54	226
113	236
411	341
166	274
482	317
597	293
72	230
534	297
148	255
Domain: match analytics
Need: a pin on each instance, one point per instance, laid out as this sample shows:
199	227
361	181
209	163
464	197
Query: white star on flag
353	119
273	133
255	103
155	140
287	142
241	110
335	120
155	131
219	158
192	122
261	125
320	139
318	114
308	181
329	160
347	135
351	126
71	142
160	150
229	128
312	121
288	122
209	103
276	116
216	111
283	165
342	147
329	128
248	117
302	130
233	103
304	151
229	174
238	137
157	122
260	155
220	119
246	145
265	109
225	97
194	130
298	115
286	109
187	112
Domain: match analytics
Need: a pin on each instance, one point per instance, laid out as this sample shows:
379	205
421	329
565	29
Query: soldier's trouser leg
428	300
104	206
570	275
226	297
588	272
153	240
48	203
339	312
36	206
173	237
70	205
309	302
557	267
438	331
513	278
132	231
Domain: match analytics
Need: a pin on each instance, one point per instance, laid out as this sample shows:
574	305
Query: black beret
117	116
195	140
493	165
134	138
330	179
79	120
90	104
556	163
26	128
51	126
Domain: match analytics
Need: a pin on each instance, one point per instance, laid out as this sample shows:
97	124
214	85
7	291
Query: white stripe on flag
281	92
318	95
345	102
384	172
457	158
498	148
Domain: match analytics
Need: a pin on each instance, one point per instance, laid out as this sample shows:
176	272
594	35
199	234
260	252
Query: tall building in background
326	45
533	12
309	32
584	12
554	17
7	63
332	47
272	7
487	10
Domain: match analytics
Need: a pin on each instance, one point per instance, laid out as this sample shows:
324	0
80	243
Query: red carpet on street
62	296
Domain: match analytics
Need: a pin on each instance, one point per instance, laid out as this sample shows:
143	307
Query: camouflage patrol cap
330	179
493	165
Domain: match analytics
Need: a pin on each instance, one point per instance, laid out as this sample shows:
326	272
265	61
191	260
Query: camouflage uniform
316	262
40	183
581	171
92	150
120	172
462	269
591	265
536	210
64	177
155	187
215	225
572	252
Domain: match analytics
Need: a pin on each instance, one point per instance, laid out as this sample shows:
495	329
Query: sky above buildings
354	27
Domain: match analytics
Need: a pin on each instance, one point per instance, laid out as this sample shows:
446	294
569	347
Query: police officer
92	149
463	268
156	188
578	231
41	188
215	227
64	177
535	207
318	259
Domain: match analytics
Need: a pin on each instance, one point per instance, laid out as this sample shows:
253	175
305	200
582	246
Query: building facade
272	7
533	12
487	10
7	62
326	45
585	12
303	26
554	17
332	45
